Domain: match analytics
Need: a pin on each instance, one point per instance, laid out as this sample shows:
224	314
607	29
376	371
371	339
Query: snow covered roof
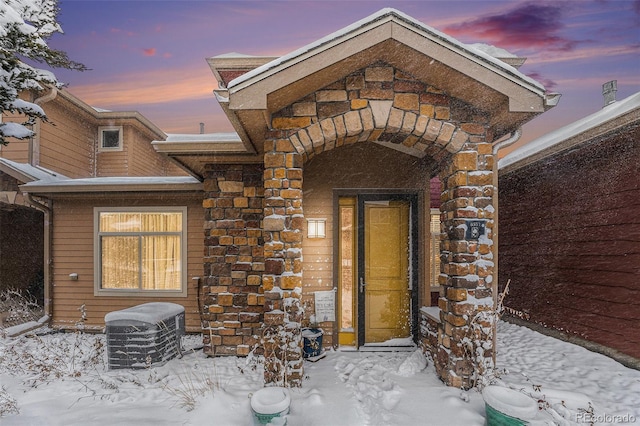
380	17
611	117
28	173
206	137
227	142
114	184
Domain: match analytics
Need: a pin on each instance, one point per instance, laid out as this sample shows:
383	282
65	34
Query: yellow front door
385	285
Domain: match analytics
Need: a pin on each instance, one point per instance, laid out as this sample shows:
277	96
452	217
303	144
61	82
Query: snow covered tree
25	27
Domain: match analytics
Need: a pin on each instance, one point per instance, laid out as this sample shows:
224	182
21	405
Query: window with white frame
110	138
141	250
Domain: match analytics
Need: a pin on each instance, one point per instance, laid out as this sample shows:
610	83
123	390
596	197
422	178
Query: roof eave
61	188
594	132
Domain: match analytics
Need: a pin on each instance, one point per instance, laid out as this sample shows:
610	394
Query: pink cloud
527	25
149	52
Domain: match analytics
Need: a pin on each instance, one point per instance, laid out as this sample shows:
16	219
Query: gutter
34	141
513	138
48	245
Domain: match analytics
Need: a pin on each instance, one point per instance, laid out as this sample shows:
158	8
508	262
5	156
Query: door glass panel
347	244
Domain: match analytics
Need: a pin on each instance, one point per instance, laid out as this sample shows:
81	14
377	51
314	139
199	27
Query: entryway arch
425	123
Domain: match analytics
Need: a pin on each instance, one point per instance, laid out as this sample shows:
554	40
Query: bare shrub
8	404
18	308
193	386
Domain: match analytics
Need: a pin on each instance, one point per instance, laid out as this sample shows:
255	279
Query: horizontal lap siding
73	253
67	141
570	242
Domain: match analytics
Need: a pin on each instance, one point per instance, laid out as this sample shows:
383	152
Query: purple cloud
528	25
548	84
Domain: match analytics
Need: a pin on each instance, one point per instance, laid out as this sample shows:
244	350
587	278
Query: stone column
282	279
465	344
232	303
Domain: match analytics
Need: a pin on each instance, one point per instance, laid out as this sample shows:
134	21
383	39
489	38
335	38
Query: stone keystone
380	110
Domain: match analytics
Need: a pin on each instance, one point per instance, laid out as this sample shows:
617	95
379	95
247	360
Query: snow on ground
61	379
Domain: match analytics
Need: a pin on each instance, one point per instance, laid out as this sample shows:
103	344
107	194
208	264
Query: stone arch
381	121
422	120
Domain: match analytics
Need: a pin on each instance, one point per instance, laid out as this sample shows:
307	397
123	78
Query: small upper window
110	138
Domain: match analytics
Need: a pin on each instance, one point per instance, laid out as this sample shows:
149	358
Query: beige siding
73	253
143	159
18	149
66	143
137	158
115	163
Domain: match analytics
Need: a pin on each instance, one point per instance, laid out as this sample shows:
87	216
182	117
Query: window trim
101	147
97	263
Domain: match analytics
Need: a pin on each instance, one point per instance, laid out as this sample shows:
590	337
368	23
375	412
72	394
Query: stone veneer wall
232	299
378	103
465	349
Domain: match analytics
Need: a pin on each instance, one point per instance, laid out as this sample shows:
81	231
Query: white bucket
510	402
270	405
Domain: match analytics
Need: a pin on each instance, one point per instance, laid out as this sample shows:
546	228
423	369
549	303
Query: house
344	135
570	232
323	191
59	187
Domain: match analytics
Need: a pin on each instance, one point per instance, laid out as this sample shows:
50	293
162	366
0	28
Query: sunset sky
149	56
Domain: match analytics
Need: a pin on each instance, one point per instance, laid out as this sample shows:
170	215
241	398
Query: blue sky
149	56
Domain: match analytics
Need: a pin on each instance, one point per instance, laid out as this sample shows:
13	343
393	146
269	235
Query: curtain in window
150	259
120	262
161	265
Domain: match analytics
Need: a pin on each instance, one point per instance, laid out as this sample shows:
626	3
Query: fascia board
249	95
199	147
523	96
88	187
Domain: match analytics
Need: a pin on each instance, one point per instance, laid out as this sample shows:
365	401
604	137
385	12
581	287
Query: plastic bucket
312	342
270	406
508	407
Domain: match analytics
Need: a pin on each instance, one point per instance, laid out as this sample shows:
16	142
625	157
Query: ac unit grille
135	343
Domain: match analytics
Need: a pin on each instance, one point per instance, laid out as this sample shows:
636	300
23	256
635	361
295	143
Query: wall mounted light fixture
316	228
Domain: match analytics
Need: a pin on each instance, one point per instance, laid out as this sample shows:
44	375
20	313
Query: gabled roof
252	88
133	118
609	119
367	24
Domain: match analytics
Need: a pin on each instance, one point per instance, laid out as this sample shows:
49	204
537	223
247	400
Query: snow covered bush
25	27
17	308
57	357
8	404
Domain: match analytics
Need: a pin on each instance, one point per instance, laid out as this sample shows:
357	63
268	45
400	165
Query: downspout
34	141
513	138
48	242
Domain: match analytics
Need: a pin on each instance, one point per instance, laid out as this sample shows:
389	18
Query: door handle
362	285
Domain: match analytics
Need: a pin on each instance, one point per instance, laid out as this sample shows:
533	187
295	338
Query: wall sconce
316	228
